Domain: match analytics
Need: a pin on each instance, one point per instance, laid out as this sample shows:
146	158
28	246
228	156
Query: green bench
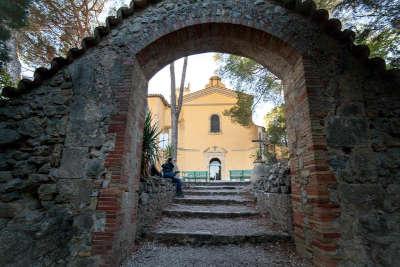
195	176
240	175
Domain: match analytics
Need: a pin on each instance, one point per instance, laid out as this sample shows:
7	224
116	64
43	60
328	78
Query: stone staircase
212	217
214	213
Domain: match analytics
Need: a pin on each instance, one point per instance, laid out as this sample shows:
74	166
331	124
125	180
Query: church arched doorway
214	169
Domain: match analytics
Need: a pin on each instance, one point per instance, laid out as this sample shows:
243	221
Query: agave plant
150	147
168	152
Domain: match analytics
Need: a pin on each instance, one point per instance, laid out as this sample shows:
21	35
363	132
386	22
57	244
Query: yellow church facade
209	143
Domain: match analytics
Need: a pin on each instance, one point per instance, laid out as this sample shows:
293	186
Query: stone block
12	185
47	192
13	244
75	192
5	176
8	210
73	163
85	133
362	196
15	112
392	198
8	136
346	132
94	168
31	127
83	222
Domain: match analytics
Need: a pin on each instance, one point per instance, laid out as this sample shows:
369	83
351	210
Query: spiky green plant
168	152
150	147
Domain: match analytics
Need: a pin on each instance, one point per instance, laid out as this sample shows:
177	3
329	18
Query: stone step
217	187
213	192
219	199
217	183
216	231
275	254
210	211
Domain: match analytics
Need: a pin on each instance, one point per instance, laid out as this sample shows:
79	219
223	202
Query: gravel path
271	255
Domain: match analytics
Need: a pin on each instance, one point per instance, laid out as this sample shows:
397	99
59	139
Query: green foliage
150	146
5	79
168	152
275	129
257	155
328	4
275	123
242	111
270	157
376	23
249	78
13	15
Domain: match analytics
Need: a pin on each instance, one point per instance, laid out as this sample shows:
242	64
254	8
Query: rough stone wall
364	152
154	195
69	165
272	191
36	221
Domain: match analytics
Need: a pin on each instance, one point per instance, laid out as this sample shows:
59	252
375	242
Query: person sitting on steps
170	170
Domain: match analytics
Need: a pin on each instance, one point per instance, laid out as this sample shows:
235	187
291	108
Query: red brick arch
328	84
287	64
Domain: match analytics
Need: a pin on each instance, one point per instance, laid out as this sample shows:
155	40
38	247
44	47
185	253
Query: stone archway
343	141
216	152
215	167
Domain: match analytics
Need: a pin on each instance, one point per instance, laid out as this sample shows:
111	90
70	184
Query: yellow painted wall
197	145
160	112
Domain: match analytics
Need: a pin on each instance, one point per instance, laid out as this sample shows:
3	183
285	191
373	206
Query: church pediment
215	86
215	149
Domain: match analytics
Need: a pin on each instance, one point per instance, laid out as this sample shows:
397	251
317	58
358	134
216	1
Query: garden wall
272	191
154	195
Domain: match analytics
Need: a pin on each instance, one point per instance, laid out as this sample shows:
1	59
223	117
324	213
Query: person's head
170	160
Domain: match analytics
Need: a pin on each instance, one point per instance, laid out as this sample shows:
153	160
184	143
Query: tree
13	16
176	106
55	26
5	79
376	23
275	126
275	129
241	112
249	78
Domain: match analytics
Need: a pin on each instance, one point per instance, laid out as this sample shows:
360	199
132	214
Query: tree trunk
176	106
174	123
13	66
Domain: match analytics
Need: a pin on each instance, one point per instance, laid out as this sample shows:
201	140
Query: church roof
214	86
165	102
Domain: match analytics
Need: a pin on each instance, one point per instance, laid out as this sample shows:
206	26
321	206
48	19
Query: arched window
215	125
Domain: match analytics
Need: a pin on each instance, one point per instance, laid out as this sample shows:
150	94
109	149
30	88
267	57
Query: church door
215	169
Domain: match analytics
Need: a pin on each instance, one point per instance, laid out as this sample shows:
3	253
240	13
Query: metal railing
195	176
240	175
